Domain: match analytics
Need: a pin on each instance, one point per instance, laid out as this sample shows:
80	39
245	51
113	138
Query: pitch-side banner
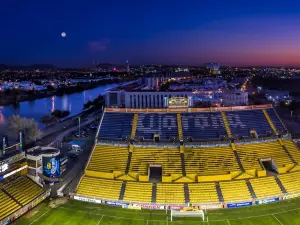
265	201
239	204
87	199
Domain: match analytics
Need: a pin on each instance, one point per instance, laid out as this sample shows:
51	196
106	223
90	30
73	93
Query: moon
63	34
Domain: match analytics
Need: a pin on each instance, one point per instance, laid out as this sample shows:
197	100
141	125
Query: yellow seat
140	192
108	158
100	188
234	191
203	193
265	187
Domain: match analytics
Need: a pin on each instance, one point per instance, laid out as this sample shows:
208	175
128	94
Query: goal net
187	212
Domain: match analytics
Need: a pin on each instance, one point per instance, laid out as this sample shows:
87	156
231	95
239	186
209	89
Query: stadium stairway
237	157
128	162
134	123
9	195
122	192
154	190
220	195
269	121
289	154
179	126
253	195
226	124
282	188
183	164
186	193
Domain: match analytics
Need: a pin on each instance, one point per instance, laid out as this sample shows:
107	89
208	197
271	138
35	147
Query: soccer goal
187	213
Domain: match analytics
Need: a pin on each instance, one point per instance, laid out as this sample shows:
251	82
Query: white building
235	97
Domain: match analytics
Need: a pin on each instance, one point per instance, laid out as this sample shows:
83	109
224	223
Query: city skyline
232	34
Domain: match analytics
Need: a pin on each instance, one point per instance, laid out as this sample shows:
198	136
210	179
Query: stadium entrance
269	165
155	173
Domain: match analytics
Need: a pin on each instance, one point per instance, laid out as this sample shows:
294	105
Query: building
235	97
127	67
214	68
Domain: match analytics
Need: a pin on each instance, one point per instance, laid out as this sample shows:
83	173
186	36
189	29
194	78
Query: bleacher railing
189	110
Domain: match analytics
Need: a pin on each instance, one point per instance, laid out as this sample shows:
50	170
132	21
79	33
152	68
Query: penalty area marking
100	220
277	219
228	222
40	216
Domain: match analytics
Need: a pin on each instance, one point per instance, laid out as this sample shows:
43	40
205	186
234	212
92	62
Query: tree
29	126
59	114
87	105
47	119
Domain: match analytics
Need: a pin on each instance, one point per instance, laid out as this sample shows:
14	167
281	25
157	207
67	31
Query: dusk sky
233	33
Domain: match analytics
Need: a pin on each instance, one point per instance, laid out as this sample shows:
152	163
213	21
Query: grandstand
202	156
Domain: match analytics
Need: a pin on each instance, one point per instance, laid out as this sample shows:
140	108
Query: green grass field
75	213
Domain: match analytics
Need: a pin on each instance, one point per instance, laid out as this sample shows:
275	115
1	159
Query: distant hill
34	66
3	66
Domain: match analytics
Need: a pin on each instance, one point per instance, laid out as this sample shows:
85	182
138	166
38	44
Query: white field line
277	219
40	216
100	220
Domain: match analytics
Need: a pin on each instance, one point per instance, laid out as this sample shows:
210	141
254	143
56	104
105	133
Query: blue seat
203	126
276	121
115	126
241	122
154	123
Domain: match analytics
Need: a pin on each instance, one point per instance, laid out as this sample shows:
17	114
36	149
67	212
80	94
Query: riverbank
17	96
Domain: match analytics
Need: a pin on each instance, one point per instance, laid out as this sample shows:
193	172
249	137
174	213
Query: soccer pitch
81	213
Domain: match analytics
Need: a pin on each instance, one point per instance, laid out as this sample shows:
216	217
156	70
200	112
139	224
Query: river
41	107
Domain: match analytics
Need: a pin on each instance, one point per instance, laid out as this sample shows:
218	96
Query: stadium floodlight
3	167
187	212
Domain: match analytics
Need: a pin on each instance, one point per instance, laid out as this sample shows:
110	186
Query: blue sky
175	32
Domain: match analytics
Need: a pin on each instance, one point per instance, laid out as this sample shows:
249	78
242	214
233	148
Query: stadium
182	165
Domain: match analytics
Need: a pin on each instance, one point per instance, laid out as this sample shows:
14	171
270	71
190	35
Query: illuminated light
15	171
3	167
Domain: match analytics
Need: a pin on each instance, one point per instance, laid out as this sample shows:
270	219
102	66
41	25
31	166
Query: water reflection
53	103
2	118
41	107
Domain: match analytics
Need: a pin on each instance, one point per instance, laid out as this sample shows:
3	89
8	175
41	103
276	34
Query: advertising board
265	201
239	204
84	199
51	167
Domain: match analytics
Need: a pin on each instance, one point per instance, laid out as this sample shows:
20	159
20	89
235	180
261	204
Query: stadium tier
7	205
275	119
136	191
210	160
23	189
290	181
235	191
169	158
203	126
116	126
150	124
265	187
203	192
209	165
241	122
250	153
16	194
101	188
170	194
104	155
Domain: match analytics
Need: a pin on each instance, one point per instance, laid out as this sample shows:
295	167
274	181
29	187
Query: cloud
99	46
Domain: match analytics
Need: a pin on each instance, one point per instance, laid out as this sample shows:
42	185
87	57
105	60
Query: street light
79	126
